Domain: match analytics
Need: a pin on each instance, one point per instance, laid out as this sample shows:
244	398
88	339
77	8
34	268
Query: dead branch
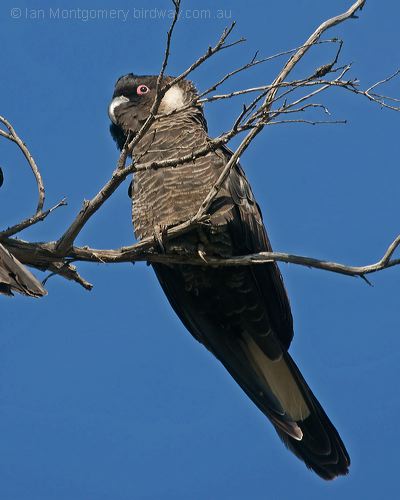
39	217
288	67
69	272
41	256
14	137
375	97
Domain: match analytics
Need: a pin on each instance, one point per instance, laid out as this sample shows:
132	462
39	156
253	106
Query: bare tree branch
253	62
295	58
31	220
89	208
67	271
41	255
309	122
377	98
14	137
292	62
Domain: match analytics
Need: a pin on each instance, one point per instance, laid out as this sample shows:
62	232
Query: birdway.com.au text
124	15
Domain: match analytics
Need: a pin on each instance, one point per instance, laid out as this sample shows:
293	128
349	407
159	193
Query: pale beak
117	101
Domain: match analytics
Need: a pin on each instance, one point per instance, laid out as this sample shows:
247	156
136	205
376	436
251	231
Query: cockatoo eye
142	89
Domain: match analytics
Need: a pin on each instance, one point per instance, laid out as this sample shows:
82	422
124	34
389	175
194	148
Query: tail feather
272	382
297	416
321	447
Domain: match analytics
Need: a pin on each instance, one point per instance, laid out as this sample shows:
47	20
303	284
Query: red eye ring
142	89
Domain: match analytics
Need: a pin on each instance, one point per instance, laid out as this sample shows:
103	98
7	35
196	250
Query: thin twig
211	51
309	122
31	220
288	67
292	62
377	98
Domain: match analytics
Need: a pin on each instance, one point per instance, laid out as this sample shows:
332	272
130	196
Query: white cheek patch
117	101
173	99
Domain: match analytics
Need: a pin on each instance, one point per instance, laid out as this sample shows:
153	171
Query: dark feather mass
241	314
14	277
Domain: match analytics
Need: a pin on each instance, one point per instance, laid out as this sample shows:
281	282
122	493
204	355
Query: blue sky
104	395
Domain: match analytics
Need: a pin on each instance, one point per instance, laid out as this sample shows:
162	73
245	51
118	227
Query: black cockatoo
241	314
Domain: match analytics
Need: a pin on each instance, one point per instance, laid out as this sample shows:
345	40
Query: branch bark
42	256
